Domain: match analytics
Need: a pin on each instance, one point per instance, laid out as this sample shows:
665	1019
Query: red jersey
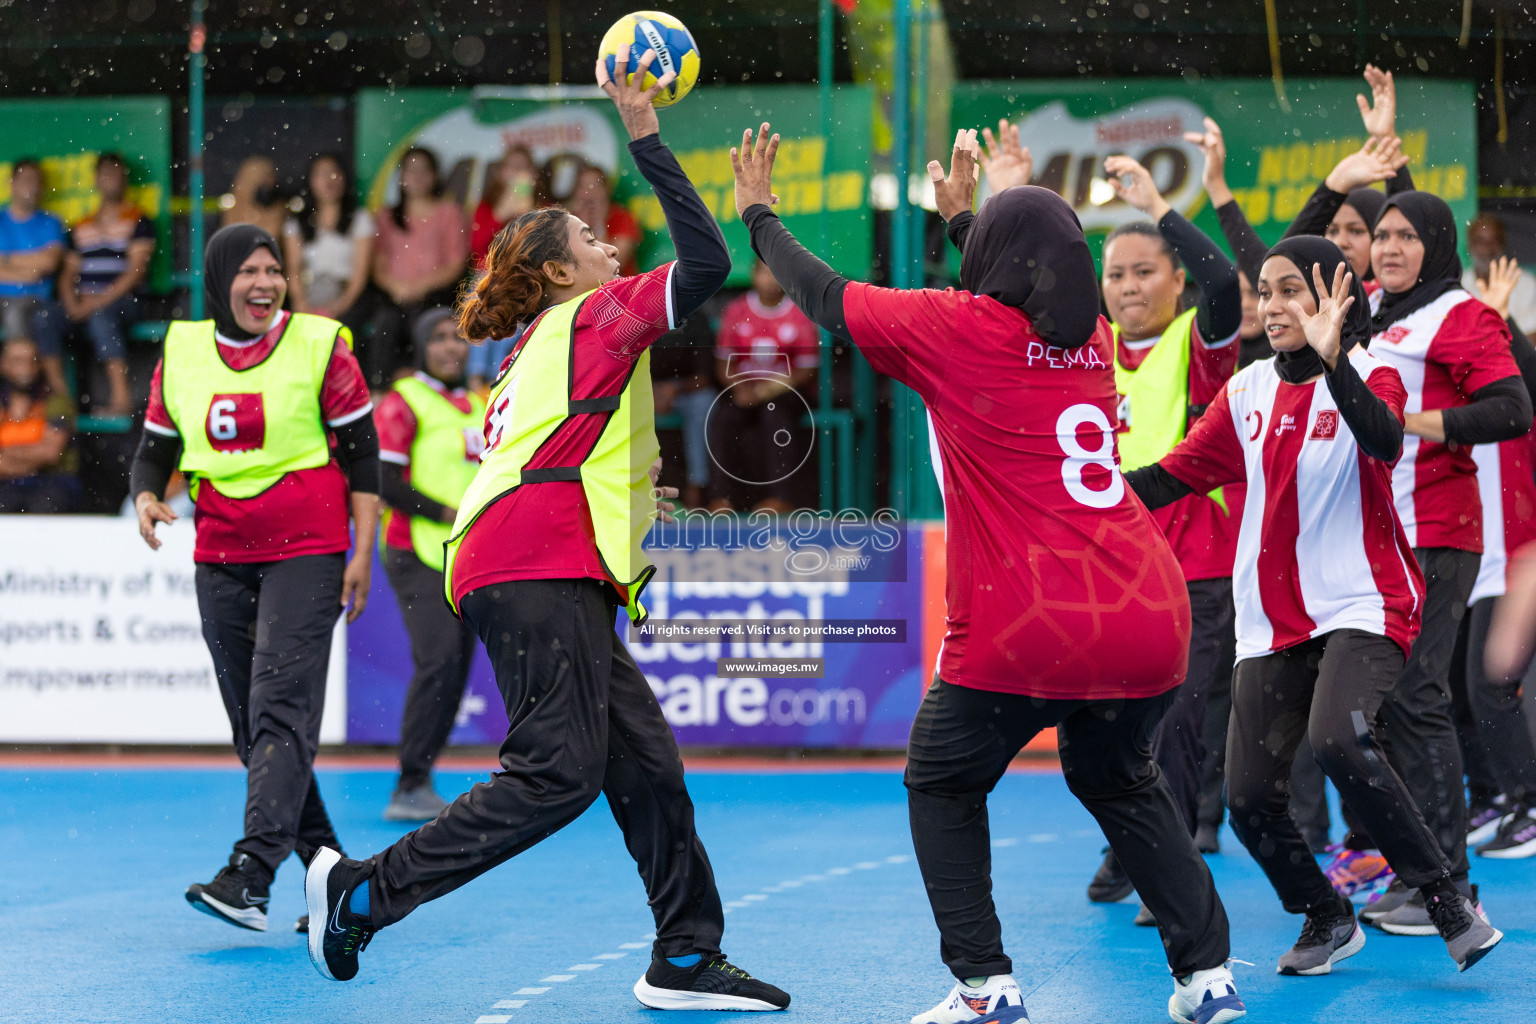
762	341
1508	492
1202	533
308	511
1321	547
396	424
544	531
1444	352
1059	584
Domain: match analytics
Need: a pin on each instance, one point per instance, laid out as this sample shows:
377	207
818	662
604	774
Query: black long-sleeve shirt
1318	211
703	258
812	285
1220	312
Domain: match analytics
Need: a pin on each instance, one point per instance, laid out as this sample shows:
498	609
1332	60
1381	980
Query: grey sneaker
1144	918
1386	902
1468	937
419	804
1327	937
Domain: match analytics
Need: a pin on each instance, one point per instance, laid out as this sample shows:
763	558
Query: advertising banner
66	136
100	639
844	665
469	130
1275	158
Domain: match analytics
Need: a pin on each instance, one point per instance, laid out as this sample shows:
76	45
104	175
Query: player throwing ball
545	550
1066	607
1329	595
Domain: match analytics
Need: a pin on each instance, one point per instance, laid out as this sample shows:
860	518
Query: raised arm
1247	247
703	259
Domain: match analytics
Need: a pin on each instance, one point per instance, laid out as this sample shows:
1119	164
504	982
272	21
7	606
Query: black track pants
268	627
962	742
1490	721
1328	689
441	649
583	721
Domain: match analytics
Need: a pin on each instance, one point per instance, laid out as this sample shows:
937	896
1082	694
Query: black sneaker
238	894
1516	837
1110	883
1329	935
1208	838
337	935
302	927
711	984
1468	937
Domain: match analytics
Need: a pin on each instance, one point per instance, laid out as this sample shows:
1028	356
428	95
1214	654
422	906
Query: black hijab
1367	202
1026	249
1308	251
227	249
1441	271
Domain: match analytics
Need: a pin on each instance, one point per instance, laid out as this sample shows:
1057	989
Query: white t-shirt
328	257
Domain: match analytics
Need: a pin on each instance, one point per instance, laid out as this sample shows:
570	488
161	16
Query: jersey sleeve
1473	344
1211	365
630	313
1386	384
907	335
1210	455
344	395
157	418
397	429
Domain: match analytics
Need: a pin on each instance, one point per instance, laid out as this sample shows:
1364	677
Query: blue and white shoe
997	999
1205	997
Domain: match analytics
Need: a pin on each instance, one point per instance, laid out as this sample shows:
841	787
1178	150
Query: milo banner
468	130
66	136
1275	159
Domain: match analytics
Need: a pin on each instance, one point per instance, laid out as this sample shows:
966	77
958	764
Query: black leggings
1490	722
962	743
584	722
441	649
1329	689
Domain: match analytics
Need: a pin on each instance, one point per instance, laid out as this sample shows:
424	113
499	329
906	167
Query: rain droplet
469	51
338	39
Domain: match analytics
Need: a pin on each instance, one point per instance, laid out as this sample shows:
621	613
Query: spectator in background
104	267
253	198
764	348
683	381
508	195
31	250
328	246
422	253
611	222
1486	241
37	464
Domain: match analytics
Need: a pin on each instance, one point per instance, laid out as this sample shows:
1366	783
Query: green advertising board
469	129
66	136
1275	158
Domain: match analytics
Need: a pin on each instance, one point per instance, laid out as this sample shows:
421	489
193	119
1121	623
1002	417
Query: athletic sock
974	982
358	904
691	960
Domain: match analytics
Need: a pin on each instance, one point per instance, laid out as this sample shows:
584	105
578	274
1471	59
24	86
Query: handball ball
675	51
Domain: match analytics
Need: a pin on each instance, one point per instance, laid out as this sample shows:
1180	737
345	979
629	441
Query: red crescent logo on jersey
1258	424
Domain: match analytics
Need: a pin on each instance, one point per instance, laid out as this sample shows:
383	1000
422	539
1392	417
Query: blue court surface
823	895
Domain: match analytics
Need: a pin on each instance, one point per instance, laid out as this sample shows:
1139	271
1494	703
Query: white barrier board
100	640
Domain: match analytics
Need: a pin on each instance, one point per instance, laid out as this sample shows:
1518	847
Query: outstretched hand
152	510
1133	184
1380	112
953	195
636	105
753	166
1499	285
1323	327
1005	162
1378	160
1214	177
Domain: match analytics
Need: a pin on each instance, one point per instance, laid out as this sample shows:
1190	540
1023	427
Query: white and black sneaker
988	999
1206	997
336	935
1516	837
713	983
1329	935
238	894
1483	820
1468	935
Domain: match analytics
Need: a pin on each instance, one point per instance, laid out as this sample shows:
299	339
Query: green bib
444	458
527	405
1154	398
244	430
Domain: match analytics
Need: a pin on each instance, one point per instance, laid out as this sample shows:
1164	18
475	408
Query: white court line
867	865
839	871
493	1018
610	956
559	977
634	945
899	858
1044	837
510	1004
754	897
998	844
529	991
583	967
737	904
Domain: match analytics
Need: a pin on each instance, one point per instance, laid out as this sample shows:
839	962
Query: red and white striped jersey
1320	547
1443	352
1508	491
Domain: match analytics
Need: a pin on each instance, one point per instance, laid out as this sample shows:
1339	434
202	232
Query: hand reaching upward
1005	162
1133	183
953	194
1380	112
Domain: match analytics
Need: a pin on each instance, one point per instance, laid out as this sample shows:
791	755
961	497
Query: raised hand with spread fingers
953	195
